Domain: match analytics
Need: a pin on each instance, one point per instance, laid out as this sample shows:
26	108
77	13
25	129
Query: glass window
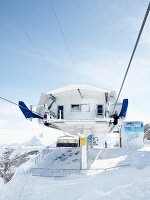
75	107
85	108
99	109
80	108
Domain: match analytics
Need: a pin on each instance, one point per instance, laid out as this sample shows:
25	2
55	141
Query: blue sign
134	126
95	141
134	131
90	138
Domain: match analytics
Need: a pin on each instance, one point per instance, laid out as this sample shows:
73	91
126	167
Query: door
60	112
99	110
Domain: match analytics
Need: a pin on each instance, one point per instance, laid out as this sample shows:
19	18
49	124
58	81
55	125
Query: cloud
109	71
137	115
25	132
46	59
7	109
3	123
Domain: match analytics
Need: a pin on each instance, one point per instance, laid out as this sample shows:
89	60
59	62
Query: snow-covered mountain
14	155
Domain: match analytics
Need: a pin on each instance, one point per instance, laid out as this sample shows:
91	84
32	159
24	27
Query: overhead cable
33	43
65	41
133	52
11	102
28	36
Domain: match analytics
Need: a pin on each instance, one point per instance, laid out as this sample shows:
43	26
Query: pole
83	150
120	139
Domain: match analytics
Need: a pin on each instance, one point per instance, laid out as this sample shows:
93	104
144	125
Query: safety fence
43	154
44	172
58	150
54	151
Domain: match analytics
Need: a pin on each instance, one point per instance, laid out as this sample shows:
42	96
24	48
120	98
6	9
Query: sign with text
134	131
83	141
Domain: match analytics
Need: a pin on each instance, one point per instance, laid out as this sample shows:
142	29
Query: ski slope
123	183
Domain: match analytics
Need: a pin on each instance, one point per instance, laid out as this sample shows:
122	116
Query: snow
120	184
127	183
43	139
107	163
78	86
62	158
1	182
35	141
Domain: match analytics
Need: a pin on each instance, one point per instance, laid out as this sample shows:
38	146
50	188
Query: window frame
75	110
62	114
102	114
80	108
86	105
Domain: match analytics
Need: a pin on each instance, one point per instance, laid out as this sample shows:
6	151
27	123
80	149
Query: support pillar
83	150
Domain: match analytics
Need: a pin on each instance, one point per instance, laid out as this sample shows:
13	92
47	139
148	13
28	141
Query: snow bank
132	183
1	183
126	184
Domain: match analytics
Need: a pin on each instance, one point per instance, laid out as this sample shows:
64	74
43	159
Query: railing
49	150
43	154
56	114
43	172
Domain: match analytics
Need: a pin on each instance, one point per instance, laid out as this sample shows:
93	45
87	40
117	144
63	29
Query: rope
4	99
133	52
28	36
33	43
65	41
9	101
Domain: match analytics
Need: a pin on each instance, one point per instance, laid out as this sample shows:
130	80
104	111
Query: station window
80	108
99	110
75	107
85	108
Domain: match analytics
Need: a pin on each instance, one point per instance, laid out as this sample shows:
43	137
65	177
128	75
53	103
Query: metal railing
43	154
50	150
44	172
56	114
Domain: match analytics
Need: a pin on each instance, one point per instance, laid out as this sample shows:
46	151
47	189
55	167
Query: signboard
90	138
134	132
83	141
95	141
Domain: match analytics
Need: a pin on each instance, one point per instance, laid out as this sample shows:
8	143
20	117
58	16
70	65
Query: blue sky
100	34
